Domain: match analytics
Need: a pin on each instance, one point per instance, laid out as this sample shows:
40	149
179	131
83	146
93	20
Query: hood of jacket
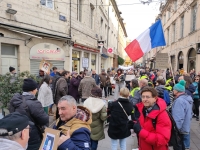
160	89
161	104
8	144
94	104
191	88
188	98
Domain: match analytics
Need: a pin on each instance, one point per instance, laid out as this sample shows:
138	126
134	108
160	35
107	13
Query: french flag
149	39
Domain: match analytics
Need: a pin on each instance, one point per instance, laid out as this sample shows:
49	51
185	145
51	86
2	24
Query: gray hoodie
6	144
182	112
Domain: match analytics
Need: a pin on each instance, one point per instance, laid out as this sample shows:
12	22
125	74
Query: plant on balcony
120	60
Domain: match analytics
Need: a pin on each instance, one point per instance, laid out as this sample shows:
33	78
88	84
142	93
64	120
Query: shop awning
34	32
104	55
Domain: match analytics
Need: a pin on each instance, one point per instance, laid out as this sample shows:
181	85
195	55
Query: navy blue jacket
190	90
79	140
96	78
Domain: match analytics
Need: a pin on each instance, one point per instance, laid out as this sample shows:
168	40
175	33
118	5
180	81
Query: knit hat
29	85
11	69
96	92
180	87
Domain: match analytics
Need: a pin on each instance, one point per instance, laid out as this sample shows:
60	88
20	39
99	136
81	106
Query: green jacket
99	115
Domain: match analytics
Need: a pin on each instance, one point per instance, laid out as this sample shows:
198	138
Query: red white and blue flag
149	39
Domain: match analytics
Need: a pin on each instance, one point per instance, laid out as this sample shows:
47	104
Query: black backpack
175	138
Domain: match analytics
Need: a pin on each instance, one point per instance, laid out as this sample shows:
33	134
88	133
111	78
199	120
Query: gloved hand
137	127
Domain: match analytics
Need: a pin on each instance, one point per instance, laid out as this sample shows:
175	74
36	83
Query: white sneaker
135	149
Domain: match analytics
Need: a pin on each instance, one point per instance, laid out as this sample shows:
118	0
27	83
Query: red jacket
149	137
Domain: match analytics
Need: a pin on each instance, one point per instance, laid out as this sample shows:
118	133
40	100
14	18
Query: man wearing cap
28	105
182	112
14	132
73	88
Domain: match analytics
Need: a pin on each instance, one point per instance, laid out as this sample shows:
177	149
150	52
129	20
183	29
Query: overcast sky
138	17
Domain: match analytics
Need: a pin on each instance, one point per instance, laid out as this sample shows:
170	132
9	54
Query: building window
164	19
175	5
169	14
79	10
168	36
91	16
174	32
194	17
182	26
105	31
47	3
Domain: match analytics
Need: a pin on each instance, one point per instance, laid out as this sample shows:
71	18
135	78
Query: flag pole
172	72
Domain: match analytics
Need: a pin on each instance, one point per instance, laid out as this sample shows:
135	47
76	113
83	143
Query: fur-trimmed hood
94	104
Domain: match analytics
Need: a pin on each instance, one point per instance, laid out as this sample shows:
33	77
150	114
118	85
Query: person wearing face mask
182	112
150	108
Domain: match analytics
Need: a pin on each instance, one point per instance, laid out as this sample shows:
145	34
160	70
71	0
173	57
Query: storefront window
180	60
93	62
76	61
191	59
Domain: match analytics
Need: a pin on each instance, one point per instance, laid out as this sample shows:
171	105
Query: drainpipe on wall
108	24
70	18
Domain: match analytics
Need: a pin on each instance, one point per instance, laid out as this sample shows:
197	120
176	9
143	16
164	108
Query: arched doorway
191	59
180	60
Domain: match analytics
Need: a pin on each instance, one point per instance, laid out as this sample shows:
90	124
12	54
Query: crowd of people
142	106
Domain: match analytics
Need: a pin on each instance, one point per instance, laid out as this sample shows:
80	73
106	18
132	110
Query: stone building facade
66	33
181	25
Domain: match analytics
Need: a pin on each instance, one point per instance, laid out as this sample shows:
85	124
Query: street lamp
11	11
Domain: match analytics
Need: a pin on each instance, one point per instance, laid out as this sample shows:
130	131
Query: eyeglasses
147	97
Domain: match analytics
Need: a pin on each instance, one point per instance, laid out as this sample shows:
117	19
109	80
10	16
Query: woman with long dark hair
45	93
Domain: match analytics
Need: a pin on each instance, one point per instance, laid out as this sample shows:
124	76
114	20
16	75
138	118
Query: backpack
175	138
166	97
54	81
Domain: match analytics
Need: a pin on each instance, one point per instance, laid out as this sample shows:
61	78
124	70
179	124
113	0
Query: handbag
129	122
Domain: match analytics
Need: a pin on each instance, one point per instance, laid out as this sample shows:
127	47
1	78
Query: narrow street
132	140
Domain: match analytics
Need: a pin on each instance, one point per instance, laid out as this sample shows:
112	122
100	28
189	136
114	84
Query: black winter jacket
118	128
37	113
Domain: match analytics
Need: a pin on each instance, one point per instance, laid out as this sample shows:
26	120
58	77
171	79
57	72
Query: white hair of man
70	100
88	73
14	137
144	82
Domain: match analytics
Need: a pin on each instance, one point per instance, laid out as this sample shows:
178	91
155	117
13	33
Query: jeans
186	140
118	86
105	90
94	144
122	143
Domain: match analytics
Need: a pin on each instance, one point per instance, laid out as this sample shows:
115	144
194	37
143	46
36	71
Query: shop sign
85	62
110	50
47	51
86	48
74	58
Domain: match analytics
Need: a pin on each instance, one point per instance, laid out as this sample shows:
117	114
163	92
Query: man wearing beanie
99	114
27	104
182	112
12	70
